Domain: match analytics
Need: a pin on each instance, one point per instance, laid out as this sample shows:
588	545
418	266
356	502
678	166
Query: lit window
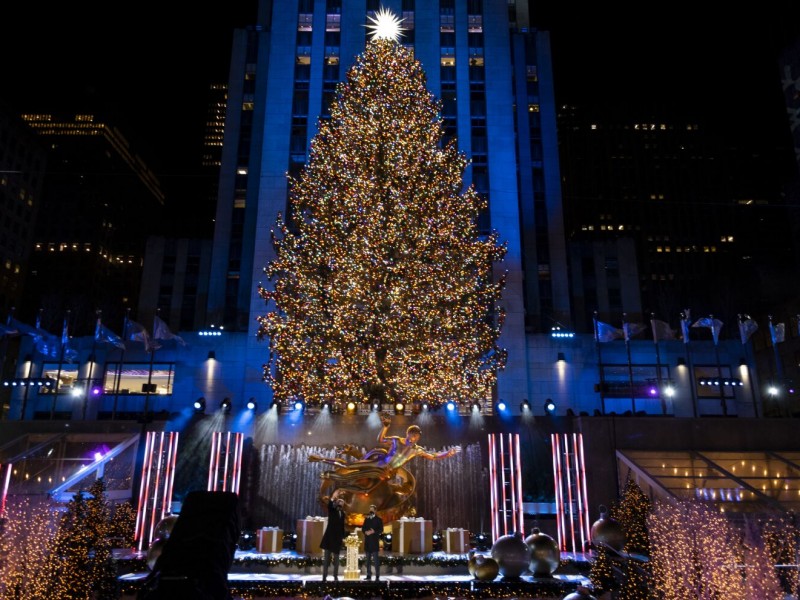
448	61
241	171
534	108
667	249
304	21
475	23
593	127
621	227
730	238
245	106
659	249
333	22
591	227
705	248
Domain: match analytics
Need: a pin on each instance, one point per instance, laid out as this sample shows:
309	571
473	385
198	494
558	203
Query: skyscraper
494	79
99	201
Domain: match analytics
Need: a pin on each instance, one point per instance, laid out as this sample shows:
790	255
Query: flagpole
3	361
60	366
600	366
745	339
715	336
150	372
778	363
658	365
685	324
92	359
118	370
625	333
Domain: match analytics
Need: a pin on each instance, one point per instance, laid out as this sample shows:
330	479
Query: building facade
494	79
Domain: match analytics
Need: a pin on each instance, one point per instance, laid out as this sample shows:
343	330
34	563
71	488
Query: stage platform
435	575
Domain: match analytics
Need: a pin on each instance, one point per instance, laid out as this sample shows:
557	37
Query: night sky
148	71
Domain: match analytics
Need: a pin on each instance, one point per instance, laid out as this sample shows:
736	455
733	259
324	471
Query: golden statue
376	477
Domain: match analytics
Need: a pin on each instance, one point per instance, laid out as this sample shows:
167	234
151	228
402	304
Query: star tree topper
385	26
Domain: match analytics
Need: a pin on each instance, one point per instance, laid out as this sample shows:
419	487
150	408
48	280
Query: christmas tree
632	512
382	288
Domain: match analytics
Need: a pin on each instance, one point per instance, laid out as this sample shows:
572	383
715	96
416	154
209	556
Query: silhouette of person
332	539
372	528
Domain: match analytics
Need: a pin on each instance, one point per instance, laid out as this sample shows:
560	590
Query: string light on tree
382	290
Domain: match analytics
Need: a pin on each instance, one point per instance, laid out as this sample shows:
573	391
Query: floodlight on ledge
557	333
451	406
385	26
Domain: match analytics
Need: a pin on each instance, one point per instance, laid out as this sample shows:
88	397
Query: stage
434	575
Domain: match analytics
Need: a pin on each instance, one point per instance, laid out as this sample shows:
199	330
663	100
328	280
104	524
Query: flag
103	335
44	342
603	332
747	328
686	320
714	324
67	353
137	333
661	330
162	332
8	330
631	329
777	332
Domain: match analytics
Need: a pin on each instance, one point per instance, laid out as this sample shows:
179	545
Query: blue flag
603	332
714	324
103	335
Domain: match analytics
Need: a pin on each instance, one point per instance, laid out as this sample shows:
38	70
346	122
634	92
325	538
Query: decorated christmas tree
632	512
382	289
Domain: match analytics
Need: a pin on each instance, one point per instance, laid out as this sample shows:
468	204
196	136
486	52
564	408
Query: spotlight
681	361
226	405
451	406
669	391
96	390
501	406
549	406
399	408
212	355
76	392
425	406
200	405
376	407
525	407
476	407
299	406
252	404
275	405
561	358
351	408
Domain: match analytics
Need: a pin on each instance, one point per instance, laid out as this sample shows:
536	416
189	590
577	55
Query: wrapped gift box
270	539
456	541
412	536
309	534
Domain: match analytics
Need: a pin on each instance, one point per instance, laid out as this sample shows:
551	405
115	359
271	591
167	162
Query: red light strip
519	486
6	483
225	469
144	486
493	486
211	487
503	485
568	469
237	463
156	513
585	516
559	491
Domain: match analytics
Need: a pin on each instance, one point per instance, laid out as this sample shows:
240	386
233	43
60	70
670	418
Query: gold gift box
456	541
412	536
309	535
270	539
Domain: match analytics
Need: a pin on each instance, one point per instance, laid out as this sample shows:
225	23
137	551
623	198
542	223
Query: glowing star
385	25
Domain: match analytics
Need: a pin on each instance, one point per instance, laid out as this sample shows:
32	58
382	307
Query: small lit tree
382	287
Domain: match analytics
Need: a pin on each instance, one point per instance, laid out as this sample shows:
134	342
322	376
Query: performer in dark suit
373	527
332	538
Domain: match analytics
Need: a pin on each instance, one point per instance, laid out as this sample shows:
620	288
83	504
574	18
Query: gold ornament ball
608	531
484	568
582	593
511	554
164	527
544	553
154	551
